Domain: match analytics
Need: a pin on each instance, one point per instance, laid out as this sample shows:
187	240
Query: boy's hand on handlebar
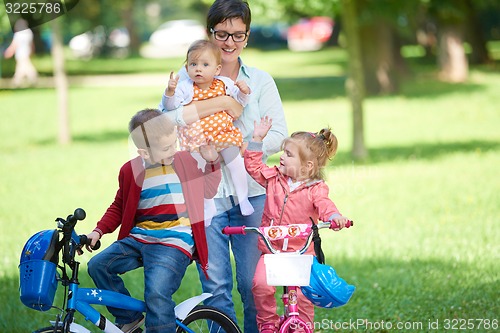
338	223
94	236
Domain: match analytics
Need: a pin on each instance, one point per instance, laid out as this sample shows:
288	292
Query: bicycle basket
288	269
37	270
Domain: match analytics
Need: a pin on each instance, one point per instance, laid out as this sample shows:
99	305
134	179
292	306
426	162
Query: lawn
423	253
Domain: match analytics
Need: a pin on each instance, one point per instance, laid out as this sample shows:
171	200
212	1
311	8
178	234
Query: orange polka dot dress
217	127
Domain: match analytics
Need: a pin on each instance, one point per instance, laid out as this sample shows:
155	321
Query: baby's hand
243	86
208	151
172	84
260	129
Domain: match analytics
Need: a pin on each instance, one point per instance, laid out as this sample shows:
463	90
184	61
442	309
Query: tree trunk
382	60
452	60
355	82
475	37
128	21
61	83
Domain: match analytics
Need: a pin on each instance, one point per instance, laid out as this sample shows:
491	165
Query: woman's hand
233	108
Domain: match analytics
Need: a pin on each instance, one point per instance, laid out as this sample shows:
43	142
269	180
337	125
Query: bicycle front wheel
204	319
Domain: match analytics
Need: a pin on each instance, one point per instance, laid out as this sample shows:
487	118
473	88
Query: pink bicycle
293	270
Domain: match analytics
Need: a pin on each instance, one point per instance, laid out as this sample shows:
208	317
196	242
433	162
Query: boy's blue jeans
164	268
246	255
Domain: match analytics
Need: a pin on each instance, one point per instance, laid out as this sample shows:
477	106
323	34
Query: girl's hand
338	223
172	84
261	128
94	236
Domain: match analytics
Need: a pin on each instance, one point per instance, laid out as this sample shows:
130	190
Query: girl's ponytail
317	147
330	141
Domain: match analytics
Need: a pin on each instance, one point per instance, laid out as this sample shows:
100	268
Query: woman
228	25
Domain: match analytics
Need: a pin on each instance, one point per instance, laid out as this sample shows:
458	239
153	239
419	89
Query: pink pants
265	303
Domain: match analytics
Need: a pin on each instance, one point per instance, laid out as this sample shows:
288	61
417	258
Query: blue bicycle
39	279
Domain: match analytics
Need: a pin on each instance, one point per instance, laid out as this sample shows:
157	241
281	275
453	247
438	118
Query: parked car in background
310	34
100	42
173	38
268	37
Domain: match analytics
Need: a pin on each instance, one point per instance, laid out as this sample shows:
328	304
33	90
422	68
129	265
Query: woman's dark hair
222	10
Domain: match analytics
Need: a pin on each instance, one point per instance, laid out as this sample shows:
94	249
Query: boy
159	208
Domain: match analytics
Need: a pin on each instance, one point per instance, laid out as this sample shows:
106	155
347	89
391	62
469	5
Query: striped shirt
161	216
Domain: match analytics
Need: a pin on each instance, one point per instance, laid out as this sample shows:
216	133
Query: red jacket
194	182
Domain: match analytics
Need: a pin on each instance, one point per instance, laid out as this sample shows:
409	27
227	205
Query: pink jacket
283	207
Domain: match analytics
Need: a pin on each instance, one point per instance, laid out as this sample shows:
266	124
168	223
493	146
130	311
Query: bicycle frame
81	299
290	319
85	297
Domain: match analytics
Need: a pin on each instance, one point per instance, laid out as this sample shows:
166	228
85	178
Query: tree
450	16
61	83
355	82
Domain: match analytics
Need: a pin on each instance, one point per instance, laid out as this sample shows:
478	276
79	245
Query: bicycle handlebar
68	228
84	240
234	230
282	232
242	230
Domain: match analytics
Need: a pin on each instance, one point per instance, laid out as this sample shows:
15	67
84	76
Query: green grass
425	204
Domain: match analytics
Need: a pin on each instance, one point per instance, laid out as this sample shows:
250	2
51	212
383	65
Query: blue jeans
164	268
246	255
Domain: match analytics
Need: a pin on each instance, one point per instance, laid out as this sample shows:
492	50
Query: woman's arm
195	111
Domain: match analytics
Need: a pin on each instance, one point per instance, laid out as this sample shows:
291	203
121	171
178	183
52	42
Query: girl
295	191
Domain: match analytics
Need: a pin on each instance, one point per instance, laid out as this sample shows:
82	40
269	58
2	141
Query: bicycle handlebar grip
84	240
334	225
234	230
97	245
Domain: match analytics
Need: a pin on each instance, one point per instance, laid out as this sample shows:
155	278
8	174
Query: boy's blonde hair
199	46
147	126
315	147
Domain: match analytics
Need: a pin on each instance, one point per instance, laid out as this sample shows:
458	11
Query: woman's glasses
222	36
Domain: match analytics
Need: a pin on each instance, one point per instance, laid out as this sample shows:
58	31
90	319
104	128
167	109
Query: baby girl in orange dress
203	64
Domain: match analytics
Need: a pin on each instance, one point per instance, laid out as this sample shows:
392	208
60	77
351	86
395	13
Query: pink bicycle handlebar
271	233
241	230
347	225
234	230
